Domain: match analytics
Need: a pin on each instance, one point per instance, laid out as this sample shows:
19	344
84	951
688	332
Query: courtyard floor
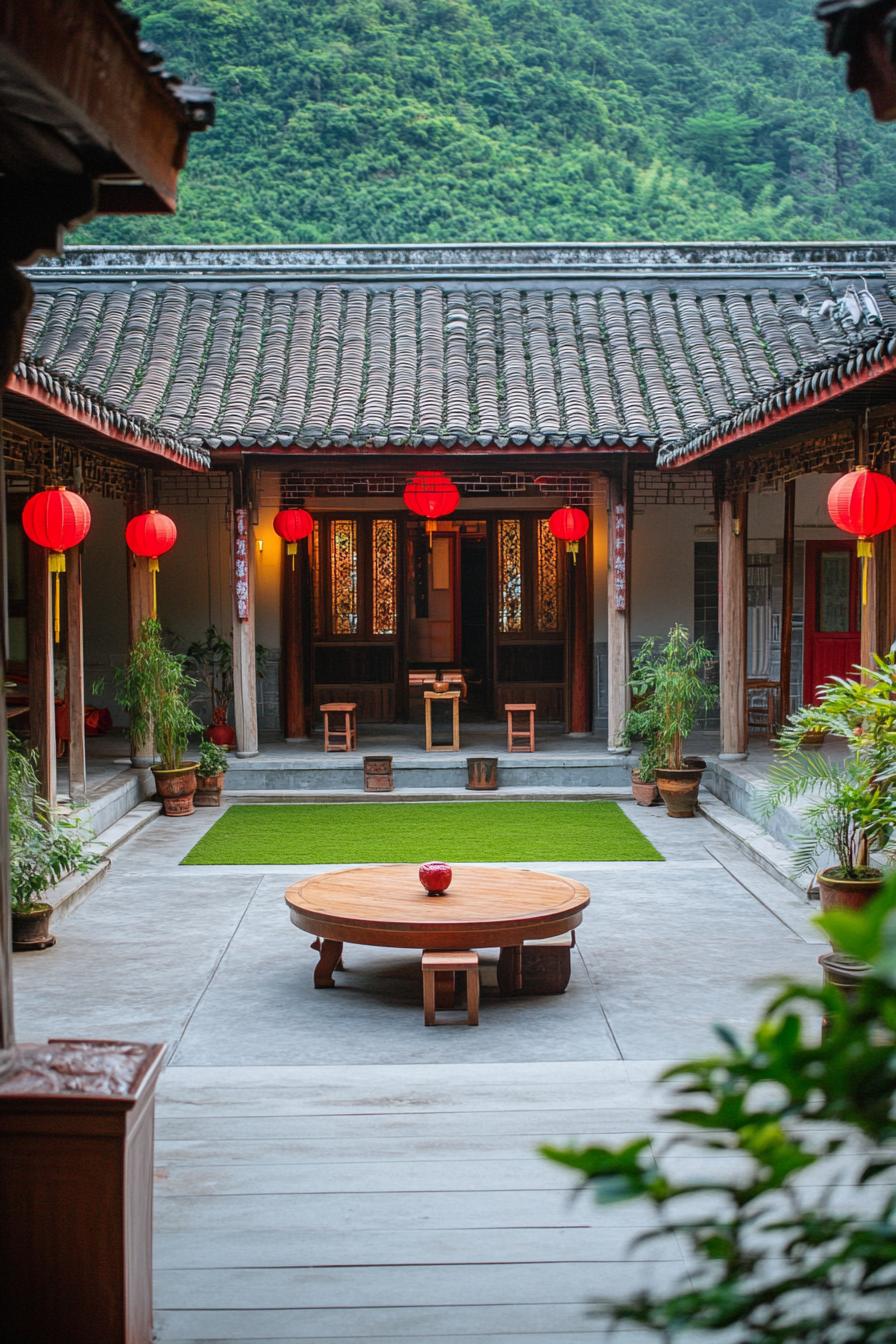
329	1169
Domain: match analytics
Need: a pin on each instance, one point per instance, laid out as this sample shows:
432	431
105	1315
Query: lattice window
344	576
510	575
384	557
547	588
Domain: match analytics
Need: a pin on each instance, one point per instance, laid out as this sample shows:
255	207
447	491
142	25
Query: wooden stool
446	963
762	716
453	698
540	966
527	734
345	738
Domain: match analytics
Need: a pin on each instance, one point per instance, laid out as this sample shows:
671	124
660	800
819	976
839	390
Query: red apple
436	877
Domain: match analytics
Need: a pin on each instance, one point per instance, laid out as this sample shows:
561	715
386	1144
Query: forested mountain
409	120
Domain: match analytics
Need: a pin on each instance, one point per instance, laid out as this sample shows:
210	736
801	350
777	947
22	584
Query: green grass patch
494	832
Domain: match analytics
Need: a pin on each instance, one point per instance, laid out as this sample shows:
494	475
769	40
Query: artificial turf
493	832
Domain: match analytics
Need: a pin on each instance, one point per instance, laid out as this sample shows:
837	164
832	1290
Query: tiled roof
578	347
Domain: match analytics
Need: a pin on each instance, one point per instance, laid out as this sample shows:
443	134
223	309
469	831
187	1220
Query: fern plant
851	804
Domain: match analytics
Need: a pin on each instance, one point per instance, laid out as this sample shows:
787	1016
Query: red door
832	614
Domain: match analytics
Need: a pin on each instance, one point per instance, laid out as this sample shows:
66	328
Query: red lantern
57	520
151	534
432	495
569	525
293	525
863	503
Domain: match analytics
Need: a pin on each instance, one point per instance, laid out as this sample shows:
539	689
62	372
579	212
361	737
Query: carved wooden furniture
453	698
76	1171
385	906
447	965
378	774
515	734
345	738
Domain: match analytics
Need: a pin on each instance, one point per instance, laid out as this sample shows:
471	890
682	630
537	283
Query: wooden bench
443	965
345	738
520	734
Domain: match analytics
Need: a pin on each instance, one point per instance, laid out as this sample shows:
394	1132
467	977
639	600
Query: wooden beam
245	712
618	618
733	626
787	601
41	701
77	750
295	723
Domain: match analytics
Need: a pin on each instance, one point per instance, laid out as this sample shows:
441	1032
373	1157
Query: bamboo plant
154	688
44	846
674	682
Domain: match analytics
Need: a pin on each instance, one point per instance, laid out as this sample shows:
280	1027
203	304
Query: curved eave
423	444
35	383
813	388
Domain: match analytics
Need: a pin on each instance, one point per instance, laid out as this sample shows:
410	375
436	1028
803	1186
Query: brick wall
295	487
182	487
679	487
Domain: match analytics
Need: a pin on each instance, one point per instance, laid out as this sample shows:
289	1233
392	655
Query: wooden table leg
330	956
444	983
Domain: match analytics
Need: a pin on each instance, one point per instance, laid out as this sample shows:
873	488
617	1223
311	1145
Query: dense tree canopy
462	120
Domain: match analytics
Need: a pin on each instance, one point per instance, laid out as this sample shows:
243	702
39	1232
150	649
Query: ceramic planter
842	893
208	790
176	789
815	738
679	789
31	928
645	795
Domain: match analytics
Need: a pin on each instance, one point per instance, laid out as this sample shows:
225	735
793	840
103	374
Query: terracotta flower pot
679	789
176	789
843	893
209	789
645	795
814	738
31	928
222	735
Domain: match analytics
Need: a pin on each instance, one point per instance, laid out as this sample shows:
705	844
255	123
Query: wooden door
832	614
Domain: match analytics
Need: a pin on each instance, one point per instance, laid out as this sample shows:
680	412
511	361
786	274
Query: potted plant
211	659
210	774
679	692
44	847
154	689
642	724
850	810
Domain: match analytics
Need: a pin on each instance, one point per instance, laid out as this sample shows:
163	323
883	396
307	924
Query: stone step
324	774
354	795
68	894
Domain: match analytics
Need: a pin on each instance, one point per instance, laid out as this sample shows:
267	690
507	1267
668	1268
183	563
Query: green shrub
212	759
44	846
154	689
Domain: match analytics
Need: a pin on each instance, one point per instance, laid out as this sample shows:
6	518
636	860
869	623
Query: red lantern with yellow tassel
863	503
57	520
151	535
569	525
293	525
432	495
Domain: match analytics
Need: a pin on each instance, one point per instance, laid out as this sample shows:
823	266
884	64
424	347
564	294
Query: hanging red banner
241	563
620	543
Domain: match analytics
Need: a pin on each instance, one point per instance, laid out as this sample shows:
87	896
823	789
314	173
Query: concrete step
774	857
404	795
428	773
68	894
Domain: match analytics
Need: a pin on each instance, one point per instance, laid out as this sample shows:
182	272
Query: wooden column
7	1026
139	609
41	701
77	750
733	626
869	643
886	592
580	641
618	617
295	722
245	712
787	601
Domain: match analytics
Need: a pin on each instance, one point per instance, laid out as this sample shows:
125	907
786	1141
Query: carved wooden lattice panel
343	576
547	590
384	555
510	575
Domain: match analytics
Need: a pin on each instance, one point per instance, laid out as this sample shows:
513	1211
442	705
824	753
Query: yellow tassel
154	569
56	566
865	550
291	549
573	548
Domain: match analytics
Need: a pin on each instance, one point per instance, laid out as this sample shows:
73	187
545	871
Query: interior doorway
474	638
832	632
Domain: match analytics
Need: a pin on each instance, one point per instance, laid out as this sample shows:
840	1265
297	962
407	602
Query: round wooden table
385	906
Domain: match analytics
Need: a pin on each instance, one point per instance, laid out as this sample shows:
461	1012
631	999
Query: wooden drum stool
443	964
520	734
346	738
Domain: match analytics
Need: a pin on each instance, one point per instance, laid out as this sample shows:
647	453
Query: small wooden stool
540	966
446	963
346	738
453	698
514	734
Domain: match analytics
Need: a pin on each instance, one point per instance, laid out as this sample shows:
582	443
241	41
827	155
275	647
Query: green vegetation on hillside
437	120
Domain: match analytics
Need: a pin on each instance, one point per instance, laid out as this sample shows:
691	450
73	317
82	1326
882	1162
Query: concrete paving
321	1173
